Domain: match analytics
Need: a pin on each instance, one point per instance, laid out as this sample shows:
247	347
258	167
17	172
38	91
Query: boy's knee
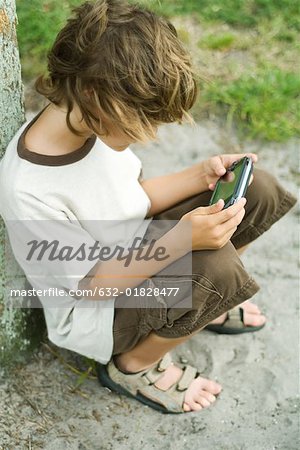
264	194
218	273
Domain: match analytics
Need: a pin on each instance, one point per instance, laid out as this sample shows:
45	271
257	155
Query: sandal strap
189	374
173	398
143	382
172	401
235	318
165	362
152	375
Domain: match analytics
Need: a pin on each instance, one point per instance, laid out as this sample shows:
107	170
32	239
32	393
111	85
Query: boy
116	72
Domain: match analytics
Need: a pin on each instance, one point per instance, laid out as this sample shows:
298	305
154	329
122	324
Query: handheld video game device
233	185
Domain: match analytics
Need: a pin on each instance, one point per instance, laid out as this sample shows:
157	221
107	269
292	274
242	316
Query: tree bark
17	331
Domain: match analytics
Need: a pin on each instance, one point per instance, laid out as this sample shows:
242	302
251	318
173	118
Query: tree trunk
16	327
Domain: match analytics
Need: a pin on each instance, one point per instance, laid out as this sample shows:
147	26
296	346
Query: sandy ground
258	408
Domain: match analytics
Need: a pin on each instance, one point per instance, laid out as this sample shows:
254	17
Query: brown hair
121	61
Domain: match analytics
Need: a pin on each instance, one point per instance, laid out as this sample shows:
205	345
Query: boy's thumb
216	207
212	209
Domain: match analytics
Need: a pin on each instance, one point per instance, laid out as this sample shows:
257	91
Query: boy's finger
218	166
229	159
212	209
233	222
232	211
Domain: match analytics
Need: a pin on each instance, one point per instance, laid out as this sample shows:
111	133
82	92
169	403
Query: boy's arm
116	275
167	190
205	228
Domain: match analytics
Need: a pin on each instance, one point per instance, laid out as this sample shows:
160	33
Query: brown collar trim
50	160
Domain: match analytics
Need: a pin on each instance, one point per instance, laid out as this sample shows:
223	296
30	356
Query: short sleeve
50	248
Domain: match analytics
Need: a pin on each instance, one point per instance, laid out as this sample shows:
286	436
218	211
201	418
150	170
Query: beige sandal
141	385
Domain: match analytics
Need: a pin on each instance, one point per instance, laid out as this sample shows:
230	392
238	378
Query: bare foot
252	315
200	394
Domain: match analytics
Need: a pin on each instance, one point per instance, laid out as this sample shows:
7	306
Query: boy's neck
50	135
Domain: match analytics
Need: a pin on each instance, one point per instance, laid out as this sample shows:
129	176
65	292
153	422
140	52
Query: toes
194	406
250	307
211	386
201	394
254	320
255	309
208	396
203	401
186	407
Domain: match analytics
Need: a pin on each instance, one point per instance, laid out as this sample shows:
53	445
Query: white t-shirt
83	193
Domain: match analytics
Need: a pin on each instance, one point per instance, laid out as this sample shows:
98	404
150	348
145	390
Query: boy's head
121	63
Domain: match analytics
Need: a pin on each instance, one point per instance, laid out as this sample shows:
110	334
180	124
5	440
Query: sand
258	408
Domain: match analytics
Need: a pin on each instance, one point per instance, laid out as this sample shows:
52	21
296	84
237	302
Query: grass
217	42
246	53
39	22
240	13
266	103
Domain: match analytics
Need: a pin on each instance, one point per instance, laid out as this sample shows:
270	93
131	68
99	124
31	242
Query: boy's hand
216	167
212	226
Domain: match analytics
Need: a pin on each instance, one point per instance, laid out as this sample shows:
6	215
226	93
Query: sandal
141	385
233	324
